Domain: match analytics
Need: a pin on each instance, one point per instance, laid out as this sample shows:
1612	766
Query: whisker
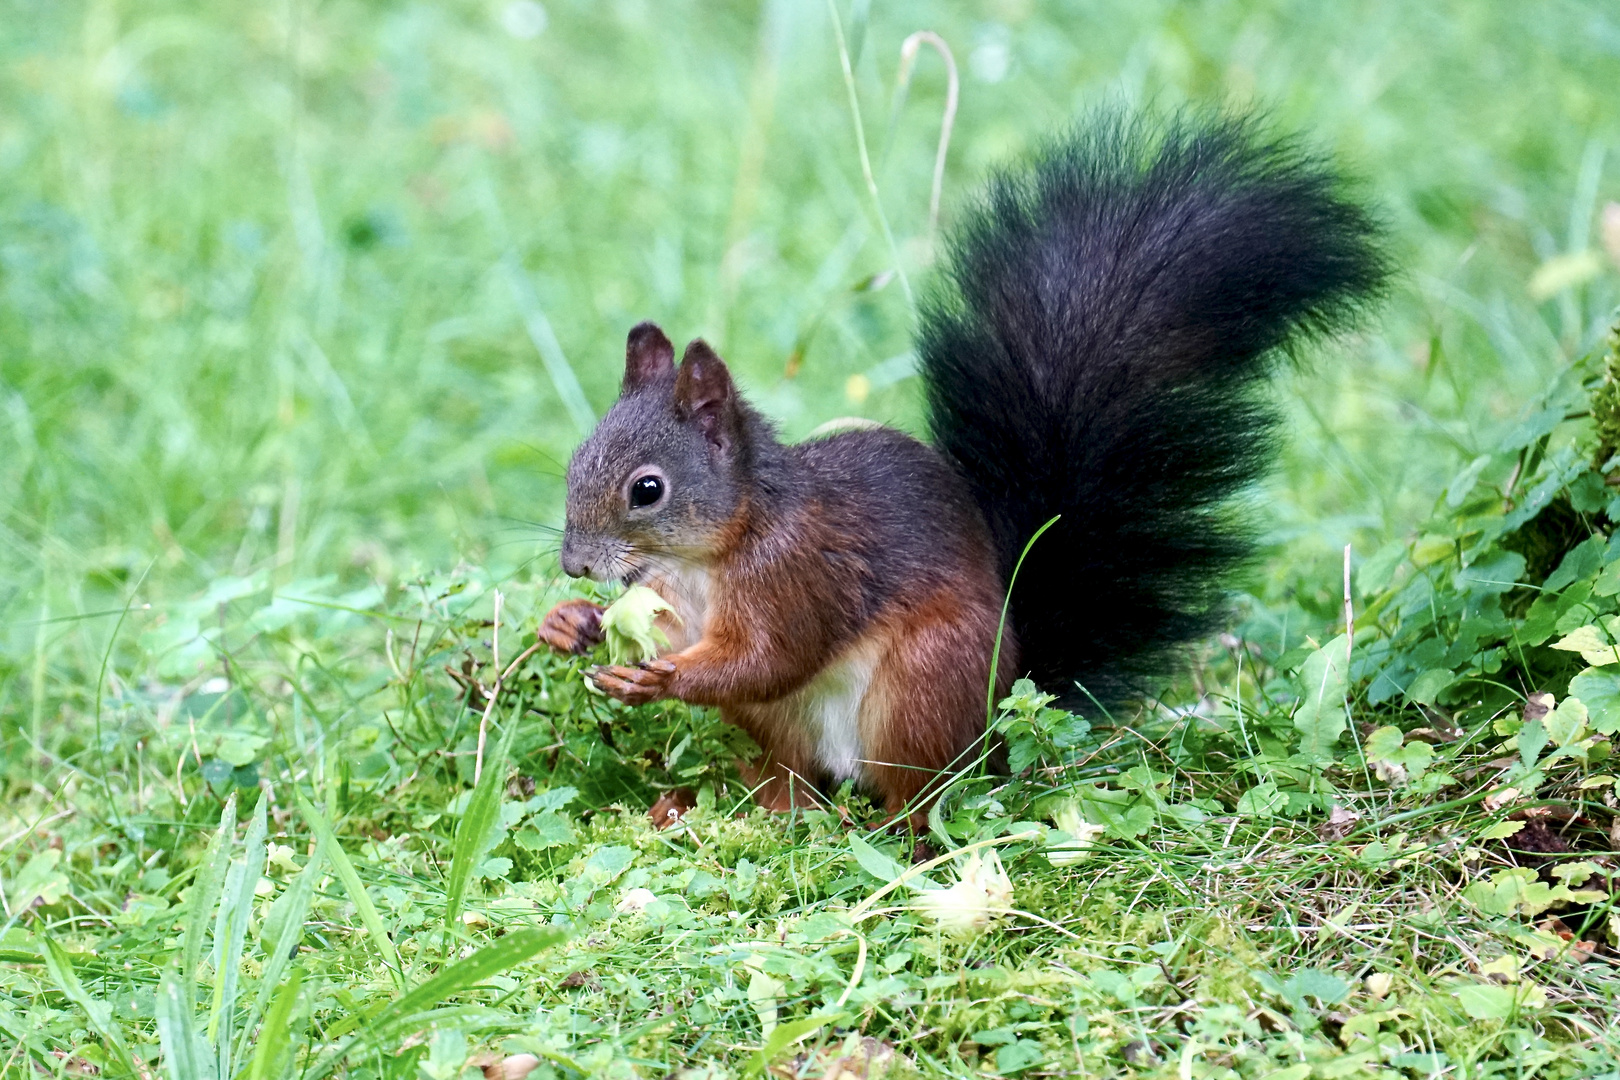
531	524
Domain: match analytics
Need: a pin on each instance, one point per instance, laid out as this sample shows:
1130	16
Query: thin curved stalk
866	160
908	58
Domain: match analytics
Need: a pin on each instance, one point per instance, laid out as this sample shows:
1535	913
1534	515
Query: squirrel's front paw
635	685
573	626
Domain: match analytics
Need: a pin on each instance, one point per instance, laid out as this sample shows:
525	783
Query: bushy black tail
1097	348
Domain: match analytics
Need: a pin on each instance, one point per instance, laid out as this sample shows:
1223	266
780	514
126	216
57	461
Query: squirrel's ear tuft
704	394
648	354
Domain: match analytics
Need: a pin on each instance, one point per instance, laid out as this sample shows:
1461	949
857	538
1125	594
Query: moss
1606	400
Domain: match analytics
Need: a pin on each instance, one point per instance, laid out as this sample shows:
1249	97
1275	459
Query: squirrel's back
909	518
1096	351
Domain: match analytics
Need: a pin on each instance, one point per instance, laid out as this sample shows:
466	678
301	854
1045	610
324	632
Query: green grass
280	411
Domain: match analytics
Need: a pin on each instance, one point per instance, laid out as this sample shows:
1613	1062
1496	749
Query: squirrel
1097	350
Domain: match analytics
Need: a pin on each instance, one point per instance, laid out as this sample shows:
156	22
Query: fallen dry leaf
515	1067
1498	799
1337	826
576	979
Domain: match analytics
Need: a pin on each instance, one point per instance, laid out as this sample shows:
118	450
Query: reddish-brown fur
838	599
775	618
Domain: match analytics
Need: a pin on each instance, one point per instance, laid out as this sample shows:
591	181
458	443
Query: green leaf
764	994
1581	562
352	885
1384	743
1483	1001
1427	687
1023	750
283	929
1532	740
230	935
1588	493
1599	691
607	863
186	1055
1608	582
1374	573
554	799
1515	891
1493	575
1567	723
1262	800
60	967
1457	491
784	1036
873	861
1018	1056
38	880
1574	873
1487	1001
478	828
379	1029
1326	987
1533	427
1594	641
239	748
547	829
276	1038
1320	717
205	892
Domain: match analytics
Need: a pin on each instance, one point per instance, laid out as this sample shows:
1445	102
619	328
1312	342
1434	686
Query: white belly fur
687	590
831	705
828	707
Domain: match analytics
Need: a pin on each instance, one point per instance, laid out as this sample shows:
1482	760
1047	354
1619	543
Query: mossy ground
289	295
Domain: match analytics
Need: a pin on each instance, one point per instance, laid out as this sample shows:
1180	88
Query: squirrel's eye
645	491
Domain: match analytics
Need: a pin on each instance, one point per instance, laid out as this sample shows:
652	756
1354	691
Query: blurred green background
278	282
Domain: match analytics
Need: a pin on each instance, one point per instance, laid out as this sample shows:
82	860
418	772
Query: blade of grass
236	905
1001	627
563	379
277	1037
205	892
101	685
353	886
509	951
786	1035
293	910
185	1055
476	828
100	1013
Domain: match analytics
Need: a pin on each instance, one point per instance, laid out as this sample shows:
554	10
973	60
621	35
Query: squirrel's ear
704	393
648	354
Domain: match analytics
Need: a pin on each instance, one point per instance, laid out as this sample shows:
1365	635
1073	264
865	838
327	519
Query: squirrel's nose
574	564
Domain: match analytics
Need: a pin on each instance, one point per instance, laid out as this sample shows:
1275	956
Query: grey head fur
681	433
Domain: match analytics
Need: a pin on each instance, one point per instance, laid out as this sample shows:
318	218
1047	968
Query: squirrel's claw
573	626
634	685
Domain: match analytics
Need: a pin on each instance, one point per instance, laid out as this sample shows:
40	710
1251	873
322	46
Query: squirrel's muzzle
576	560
